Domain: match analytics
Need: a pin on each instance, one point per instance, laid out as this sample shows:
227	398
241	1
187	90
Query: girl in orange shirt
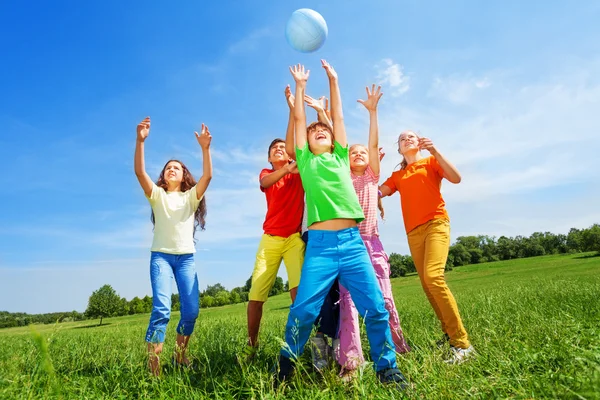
428	229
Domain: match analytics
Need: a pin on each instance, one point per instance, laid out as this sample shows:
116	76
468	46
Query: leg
268	259
381	265
357	275
293	258
437	243
187	285
416	243
350	353
318	273
160	278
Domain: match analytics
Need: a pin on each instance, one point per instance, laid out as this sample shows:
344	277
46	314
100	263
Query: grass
535	324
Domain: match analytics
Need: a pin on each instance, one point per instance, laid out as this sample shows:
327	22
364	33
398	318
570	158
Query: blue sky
508	91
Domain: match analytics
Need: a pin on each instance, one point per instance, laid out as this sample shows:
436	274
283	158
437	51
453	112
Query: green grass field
535	324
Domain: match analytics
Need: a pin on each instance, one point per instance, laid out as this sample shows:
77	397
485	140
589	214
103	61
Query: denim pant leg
318	273
161	274
357	275
187	285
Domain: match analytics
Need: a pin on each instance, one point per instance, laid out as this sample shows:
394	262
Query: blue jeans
163	267
343	255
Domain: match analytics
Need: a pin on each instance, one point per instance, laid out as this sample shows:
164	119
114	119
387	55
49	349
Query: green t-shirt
328	185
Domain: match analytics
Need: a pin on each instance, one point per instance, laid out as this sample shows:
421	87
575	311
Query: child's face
320	140
277	153
173	172
359	157
408	142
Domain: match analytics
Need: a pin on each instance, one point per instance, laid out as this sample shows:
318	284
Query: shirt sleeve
391	183
436	167
263	173
192	198
340	151
302	154
155	194
371	174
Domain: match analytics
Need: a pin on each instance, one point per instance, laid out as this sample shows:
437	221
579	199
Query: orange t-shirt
285	205
420	197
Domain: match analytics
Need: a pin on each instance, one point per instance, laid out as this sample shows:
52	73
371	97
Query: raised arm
204	139
450	171
370	104
337	115
301	77
139	163
320	107
289	133
272	178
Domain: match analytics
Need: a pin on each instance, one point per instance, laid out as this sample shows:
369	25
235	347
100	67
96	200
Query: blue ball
306	30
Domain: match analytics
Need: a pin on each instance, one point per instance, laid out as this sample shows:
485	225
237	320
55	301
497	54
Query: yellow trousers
429	244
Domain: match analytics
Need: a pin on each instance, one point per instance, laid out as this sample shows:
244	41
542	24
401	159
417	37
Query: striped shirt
367	190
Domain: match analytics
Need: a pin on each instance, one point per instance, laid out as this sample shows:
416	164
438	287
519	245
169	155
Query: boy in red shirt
281	239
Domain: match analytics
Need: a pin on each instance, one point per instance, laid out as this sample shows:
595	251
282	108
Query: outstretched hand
331	74
426	144
299	73
204	137
143	129
289	97
373	97
319	104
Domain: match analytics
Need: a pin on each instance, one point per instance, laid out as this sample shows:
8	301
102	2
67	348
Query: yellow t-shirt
173	220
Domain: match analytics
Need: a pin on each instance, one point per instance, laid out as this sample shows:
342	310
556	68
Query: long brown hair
187	182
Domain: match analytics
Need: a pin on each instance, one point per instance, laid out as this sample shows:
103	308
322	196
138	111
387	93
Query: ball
306	30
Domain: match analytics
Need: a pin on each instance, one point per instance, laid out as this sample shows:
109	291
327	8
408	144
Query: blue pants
163	267
339	254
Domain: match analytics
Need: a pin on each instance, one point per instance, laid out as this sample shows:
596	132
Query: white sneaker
335	349
458	355
319	352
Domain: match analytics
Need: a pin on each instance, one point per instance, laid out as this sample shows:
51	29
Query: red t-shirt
285	205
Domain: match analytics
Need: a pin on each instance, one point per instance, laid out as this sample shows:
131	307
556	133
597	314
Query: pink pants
350	353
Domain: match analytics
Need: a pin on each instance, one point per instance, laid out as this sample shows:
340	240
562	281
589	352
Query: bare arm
337	115
204	139
320	106
289	133
370	104
272	178
143	130
450	171
385	191
301	77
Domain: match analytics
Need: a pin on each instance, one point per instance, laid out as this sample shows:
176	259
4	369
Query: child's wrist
379	193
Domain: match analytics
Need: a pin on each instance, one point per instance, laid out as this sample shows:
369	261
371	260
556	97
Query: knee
302	317
434	283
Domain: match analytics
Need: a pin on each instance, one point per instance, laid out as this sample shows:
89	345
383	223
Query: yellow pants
429	244
271	250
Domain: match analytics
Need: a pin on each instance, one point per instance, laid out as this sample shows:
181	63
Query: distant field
535	324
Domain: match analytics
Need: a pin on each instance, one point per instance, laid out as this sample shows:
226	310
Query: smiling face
408	142
320	138
359	157
277	153
173	173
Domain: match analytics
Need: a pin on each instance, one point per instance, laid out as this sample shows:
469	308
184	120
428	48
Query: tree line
105	302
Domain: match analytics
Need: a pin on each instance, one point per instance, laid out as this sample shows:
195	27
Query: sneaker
392	376
283	370
320	352
458	355
442	342
248	354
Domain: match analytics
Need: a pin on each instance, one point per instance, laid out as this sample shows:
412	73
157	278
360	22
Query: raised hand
204	137
299	73
331	74
143	129
289	97
381	153
426	144
373	97
318	104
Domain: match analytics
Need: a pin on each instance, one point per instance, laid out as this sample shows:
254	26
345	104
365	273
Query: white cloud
391	75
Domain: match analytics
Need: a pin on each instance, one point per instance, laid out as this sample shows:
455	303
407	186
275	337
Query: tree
136	306
175	305
212	290
104	302
207	301
590	238
460	255
505	248
222	298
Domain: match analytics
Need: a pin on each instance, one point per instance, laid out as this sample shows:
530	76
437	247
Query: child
335	248
178	208
428	228
281	239
364	167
